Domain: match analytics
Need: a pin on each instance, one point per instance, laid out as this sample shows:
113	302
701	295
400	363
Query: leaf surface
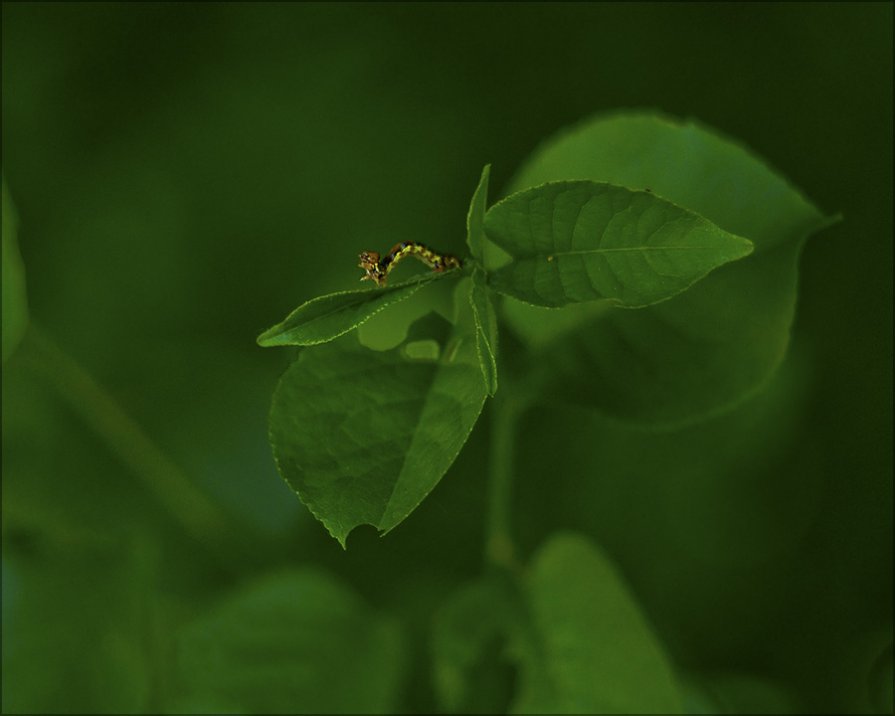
294	642
327	317
363	436
584	241
708	348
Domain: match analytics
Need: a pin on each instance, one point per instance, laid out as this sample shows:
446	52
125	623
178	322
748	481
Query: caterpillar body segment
377	269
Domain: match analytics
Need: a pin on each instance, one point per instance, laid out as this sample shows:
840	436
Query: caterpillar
377	269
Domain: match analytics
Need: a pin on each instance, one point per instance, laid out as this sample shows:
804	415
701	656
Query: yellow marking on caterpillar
377	269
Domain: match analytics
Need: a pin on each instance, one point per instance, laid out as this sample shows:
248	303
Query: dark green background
186	174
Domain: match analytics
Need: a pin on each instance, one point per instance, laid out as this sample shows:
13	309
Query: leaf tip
267	339
339	535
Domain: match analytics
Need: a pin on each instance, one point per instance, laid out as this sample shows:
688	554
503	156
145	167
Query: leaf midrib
363	297
617	250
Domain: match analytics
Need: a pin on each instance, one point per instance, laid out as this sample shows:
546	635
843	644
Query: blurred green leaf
363	436
15	299
541	327
866	678
57	477
737	693
469	660
711	346
327	317
880	681
294	642
585	241
589	649
475	218
77	626
681	502
485	329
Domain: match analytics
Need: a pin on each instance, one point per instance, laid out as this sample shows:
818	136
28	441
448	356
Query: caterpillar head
369	262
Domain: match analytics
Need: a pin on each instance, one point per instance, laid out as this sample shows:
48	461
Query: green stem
198	515
499	546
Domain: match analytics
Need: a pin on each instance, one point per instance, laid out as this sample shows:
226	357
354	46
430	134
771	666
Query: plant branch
197	514
504	414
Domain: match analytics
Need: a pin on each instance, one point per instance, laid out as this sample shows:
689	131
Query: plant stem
197	514
499	548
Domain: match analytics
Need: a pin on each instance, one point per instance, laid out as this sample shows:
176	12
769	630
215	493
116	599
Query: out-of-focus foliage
294	642
184	172
15	301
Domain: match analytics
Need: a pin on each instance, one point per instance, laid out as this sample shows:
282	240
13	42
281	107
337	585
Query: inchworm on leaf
377	269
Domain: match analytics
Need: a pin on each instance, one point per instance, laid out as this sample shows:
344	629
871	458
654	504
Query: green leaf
486	329
589	649
15	300
708	348
327	317
690	165
388	329
294	642
585	241
475	219
363	436
469	657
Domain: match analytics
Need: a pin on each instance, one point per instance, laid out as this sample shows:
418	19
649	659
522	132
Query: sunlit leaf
585	241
